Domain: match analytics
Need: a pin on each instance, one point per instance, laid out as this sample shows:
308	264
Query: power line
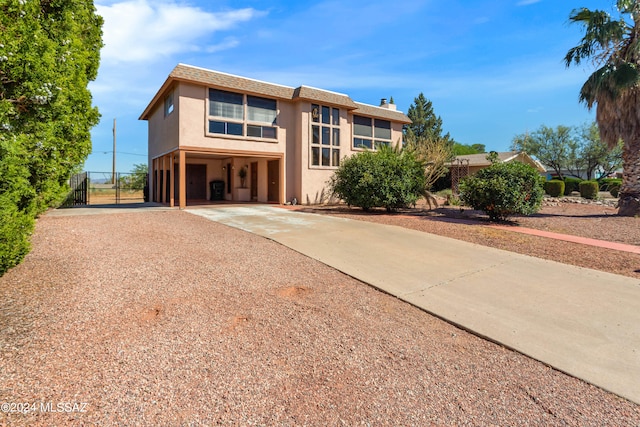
122	152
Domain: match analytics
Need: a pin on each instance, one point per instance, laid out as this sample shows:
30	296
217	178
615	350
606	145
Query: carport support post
183	178
172	180
164	179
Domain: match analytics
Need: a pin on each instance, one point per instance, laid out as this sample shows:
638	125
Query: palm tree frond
608	82
601	32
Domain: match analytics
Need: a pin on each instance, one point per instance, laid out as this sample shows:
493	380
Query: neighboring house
205	126
469	164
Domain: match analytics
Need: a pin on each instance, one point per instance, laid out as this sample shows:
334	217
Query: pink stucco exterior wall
186	128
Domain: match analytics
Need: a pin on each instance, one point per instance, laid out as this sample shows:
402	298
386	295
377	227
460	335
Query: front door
196	182
273	174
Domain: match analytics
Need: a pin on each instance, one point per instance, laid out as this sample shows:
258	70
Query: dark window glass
336	136
335	113
383	129
326	135
315	156
325	115
361	143
224	96
264	103
381	143
362	126
315	112
254	131
234	128
268	132
315	139
216	127
336	157
325	157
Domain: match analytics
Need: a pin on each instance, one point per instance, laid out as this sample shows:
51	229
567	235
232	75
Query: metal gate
105	188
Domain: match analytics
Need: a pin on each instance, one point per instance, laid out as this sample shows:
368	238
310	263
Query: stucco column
182	158
164	179
172	180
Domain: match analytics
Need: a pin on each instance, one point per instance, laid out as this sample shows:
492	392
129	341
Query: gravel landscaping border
166	318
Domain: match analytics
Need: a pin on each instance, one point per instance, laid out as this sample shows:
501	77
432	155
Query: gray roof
188	73
505	156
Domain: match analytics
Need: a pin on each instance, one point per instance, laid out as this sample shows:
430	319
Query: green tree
552	147
434	155
424	122
137	179
614	87
462	149
389	177
49	52
593	155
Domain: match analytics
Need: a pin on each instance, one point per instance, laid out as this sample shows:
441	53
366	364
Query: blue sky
492	68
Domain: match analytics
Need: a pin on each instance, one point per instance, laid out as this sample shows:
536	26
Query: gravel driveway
165	318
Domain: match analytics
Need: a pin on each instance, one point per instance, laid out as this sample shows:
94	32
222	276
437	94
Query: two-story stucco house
206	126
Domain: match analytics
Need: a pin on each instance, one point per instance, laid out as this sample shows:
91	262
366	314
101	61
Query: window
226	104
370	133
325	136
168	104
260	118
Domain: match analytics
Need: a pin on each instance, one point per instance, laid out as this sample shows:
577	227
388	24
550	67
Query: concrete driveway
582	322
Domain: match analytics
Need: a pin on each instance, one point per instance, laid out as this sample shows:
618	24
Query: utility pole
113	169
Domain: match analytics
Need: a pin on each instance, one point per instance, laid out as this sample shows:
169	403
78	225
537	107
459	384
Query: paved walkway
580	321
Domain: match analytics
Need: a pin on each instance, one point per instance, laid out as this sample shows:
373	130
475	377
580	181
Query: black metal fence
106	188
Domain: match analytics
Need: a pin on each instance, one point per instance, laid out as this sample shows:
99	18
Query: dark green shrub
612	185
17	211
554	188
503	189
389	178
614	189
589	189
571	184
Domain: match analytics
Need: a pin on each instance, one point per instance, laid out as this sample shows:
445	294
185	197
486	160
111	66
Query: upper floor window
231	106
325	136
370	133
168	104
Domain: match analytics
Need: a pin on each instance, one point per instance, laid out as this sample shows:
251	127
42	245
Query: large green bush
589	189
503	189
389	178
571	184
49	52
16	206
554	188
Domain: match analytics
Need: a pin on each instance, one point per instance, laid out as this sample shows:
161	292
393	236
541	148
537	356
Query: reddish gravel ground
165	318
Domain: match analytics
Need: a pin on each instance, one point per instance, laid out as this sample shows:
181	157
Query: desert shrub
614	189
503	189
450	198
589	189
554	188
389	178
612	185
571	184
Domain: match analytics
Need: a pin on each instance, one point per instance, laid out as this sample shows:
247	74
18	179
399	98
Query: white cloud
527	2
144	30
227	43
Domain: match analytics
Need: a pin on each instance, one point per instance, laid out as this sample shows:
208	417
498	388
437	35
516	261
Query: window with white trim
325	136
227	115
370	133
168	104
